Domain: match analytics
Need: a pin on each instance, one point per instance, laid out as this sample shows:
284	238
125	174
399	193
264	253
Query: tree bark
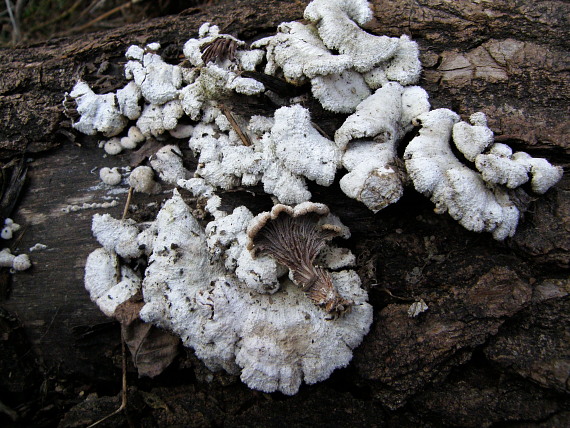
493	347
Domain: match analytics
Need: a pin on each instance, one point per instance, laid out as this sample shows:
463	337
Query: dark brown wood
492	347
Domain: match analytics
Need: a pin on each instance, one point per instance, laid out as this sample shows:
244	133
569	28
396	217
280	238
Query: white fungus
472	139
273	341
167	162
18	263
404	67
6	257
299	52
135	52
108	283
154	46
182	131
9	228
127	143
156	119
301	148
340	93
135	135
110	176
21	262
38	247
501	166
113	147
375	175
98	113
128	99
158	81
227	238
118	236
87	205
417	308
338	24
234	306
141	179
452	186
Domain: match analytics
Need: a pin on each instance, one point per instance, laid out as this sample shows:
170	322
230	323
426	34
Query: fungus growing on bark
298	50
338	23
9	228
274	339
375	174
110	176
18	263
142	180
210	285
97	113
109	284
294	237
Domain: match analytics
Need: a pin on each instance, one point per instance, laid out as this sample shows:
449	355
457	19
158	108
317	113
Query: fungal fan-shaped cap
294	237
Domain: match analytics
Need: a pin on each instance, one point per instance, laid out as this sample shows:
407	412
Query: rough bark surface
494	345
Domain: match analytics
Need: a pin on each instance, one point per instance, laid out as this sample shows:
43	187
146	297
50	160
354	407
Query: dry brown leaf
151	348
147	150
129	310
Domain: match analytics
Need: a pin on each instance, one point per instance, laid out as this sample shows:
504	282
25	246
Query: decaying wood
493	347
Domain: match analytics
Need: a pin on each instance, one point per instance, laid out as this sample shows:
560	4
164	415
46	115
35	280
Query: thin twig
18	239
321	131
45	332
385	290
12	414
15	26
126	209
99	18
88	9
123	405
243	137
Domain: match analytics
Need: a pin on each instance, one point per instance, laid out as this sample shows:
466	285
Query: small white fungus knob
110	176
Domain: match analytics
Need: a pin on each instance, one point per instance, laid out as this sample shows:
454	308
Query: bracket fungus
274	339
375	174
97	113
501	166
300	53
108	282
223	286
294	238
158	81
476	200
338	23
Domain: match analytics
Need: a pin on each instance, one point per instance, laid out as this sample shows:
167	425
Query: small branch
127	203
99	18
243	136
385	290
12	414
123	405
323	133
13	21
